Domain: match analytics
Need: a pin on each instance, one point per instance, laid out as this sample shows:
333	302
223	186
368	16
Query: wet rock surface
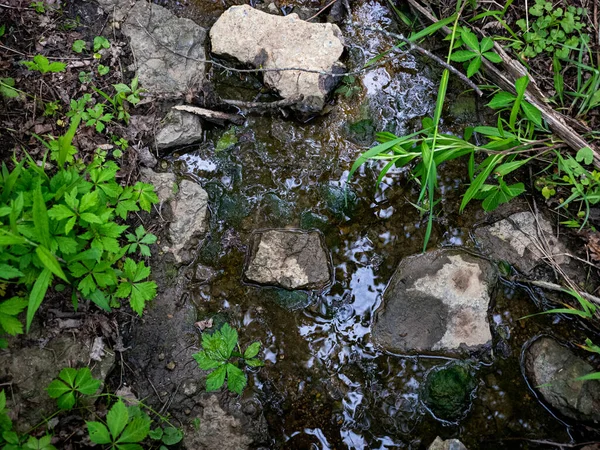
269	41
520	240
448	444
179	128
168	50
288	259
30	370
436	301
554	366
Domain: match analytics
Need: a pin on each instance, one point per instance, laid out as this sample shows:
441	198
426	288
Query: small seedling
70	383
51	108
100	42
218	349
102	69
476	51
125	428
168	436
42	65
79	46
85	77
39	7
95	117
348	87
141	239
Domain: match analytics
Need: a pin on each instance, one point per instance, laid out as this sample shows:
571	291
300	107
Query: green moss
448	390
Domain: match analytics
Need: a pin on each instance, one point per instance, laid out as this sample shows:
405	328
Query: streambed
325	384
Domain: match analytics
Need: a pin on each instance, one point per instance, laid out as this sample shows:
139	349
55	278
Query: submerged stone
290	300
448	390
233	209
277	211
313	221
437	301
553	370
269	41
289	259
342	202
448	444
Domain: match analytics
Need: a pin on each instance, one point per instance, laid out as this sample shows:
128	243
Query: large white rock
437	301
268	41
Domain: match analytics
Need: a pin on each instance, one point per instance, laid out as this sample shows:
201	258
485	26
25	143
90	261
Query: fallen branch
557	122
265	106
414	47
217	117
557	288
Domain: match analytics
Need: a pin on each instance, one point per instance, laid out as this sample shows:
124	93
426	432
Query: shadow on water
325	385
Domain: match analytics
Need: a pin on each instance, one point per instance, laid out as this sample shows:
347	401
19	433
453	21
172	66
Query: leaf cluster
555	31
41	64
217	351
10	440
70	384
125	428
67	225
474	52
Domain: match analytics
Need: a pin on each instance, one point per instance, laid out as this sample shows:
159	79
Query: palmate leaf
236	379
136	431
8	310
462	55
230	338
98	433
117	419
216	379
205	362
7	272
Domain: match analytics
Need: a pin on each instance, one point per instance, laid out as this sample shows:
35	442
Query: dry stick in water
557	122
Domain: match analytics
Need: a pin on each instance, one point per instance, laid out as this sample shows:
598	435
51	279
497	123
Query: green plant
503	100
9	309
218	349
124	94
556	31
51	108
64	225
71	383
39	7
124	430
475	52
102	69
100	42
590	347
85	77
42	65
140	240
168	436
7	88
79	46
587	311
348	87
95	117
5	421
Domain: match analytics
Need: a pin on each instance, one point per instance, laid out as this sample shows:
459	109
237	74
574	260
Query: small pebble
171	365
161	356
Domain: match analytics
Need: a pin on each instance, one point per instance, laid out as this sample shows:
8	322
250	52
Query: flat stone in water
437	301
289	259
179	128
553	369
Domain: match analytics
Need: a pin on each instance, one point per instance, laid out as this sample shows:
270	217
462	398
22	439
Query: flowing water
325	385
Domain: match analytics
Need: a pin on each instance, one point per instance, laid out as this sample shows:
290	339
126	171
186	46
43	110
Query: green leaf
487	43
79	46
473	67
156	434
40	216
254	362
68	375
252	350
215	380
230	337
86	384
136	431
532	113
13	306
236	379
98	433
205	362
506	168
470	39
140	294
37	294
10	325
7	272
172	436
493	57
585	154
462	55
589	376
66	401
57	388
50	262
117	419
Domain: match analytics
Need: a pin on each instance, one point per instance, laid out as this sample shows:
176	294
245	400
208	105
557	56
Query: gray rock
179	128
168	50
552	369
165	184
260	39
189	218
189	206
518	241
436	301
217	429
31	369
146	158
448	444
289	259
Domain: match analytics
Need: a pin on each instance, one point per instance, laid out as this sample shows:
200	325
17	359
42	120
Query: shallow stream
325	385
